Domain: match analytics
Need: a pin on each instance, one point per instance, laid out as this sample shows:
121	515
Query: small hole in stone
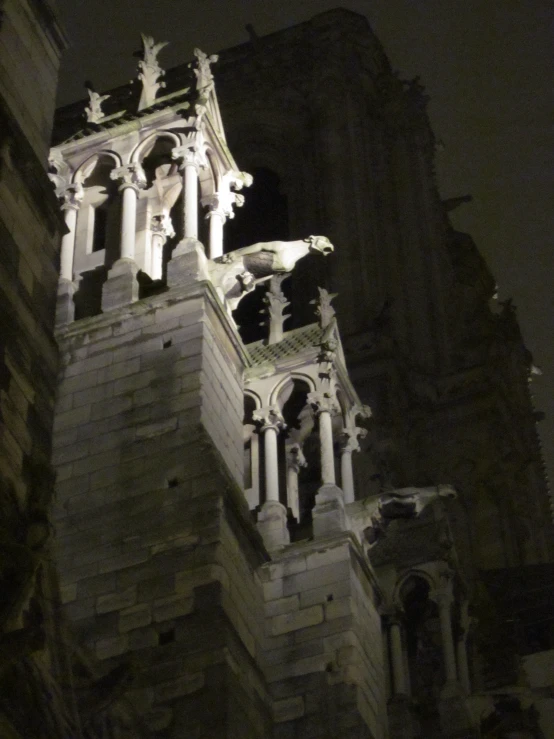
329	598
172	482
167	344
166	637
330	667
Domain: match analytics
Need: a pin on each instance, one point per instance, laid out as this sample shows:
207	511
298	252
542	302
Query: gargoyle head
320	244
447	491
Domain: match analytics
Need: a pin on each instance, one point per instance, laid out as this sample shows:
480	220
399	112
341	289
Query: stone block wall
323	656
156	551
161	565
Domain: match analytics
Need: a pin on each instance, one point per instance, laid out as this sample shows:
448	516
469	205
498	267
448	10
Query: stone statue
203	72
240	271
150	71
94	110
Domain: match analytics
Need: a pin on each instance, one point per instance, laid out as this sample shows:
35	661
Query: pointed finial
150	70
203	72
324	309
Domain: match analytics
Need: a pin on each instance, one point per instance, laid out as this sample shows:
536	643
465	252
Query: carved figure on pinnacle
94	112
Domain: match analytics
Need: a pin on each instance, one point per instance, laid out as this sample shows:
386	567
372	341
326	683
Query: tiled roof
294	342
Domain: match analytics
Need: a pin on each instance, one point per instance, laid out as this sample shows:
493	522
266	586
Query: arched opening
97	239
424	650
299	445
251	454
161	201
263	217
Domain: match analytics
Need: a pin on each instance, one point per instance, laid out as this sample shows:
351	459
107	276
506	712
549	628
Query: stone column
444	599
161	229
456	720
220	207
461	650
72	196
328	513
397	657
272	519
349	443
188	261
401	720
121	287
217	215
295	460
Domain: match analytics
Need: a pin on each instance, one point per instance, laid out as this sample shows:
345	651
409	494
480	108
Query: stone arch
253	397
85	169
415	572
146	145
282	383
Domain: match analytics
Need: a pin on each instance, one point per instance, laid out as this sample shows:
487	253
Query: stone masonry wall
32	660
324	656
148	446
29	60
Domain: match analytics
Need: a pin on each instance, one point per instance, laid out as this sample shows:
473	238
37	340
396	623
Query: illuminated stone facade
305	528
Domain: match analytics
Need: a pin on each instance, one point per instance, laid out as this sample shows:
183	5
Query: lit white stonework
94	112
150	71
72	198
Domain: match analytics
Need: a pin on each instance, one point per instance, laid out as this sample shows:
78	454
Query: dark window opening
100	228
264	215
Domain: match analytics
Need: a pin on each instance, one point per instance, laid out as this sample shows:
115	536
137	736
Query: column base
455	717
272	525
188	263
65	306
328	513
402	722
121	287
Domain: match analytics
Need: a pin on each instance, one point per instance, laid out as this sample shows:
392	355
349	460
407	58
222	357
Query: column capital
162	226
323	402
191	155
295	457
443	595
391	613
219	204
129	175
72	196
348	439
269	417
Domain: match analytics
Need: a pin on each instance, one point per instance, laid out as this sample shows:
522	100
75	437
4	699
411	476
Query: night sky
486	65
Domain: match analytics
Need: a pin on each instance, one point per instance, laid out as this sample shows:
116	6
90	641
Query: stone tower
252	540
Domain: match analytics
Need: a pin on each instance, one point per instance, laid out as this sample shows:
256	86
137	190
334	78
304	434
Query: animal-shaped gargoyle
238	272
371	522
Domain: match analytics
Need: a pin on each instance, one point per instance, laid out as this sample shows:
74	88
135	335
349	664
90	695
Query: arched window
263	217
424	648
97	235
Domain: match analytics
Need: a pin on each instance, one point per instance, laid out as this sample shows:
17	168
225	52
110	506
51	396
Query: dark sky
487	66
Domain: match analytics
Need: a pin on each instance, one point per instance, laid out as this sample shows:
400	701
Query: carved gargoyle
237	273
378	512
